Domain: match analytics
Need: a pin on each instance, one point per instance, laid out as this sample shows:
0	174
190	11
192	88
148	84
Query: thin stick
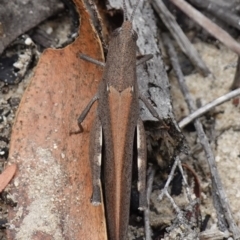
236	81
219	11
148	230
181	217
208	25
185	183
184	43
198	113
170	177
220	193
175	206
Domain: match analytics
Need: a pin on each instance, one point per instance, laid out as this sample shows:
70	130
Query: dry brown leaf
7	175
53	185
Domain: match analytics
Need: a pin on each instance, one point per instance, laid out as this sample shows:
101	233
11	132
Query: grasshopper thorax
126	30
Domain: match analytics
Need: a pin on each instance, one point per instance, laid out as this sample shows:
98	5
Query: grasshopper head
126	31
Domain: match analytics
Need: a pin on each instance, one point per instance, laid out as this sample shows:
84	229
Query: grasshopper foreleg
149	106
144	59
91	60
152	110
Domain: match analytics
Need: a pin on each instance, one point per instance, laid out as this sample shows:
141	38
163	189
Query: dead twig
180	37
185	183
208	25
220	12
176	164
236	81
197	187
148	230
181	218
199	112
216	181
170	177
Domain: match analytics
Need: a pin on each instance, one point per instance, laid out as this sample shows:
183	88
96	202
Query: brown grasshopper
117	120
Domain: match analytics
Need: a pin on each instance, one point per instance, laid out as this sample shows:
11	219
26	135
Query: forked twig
199	112
170	177
220	193
165	192
181	217
176	164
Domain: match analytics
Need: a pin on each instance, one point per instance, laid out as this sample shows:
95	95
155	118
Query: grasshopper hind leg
96	160
142	164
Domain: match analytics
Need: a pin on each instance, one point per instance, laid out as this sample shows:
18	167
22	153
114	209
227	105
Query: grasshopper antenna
134	10
125	11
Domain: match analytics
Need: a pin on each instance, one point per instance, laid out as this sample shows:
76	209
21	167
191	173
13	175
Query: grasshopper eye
116	32
134	35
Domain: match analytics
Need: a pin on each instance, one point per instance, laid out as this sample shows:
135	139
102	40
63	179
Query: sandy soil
224	133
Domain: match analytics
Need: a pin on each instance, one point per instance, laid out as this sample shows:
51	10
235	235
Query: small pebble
28	41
